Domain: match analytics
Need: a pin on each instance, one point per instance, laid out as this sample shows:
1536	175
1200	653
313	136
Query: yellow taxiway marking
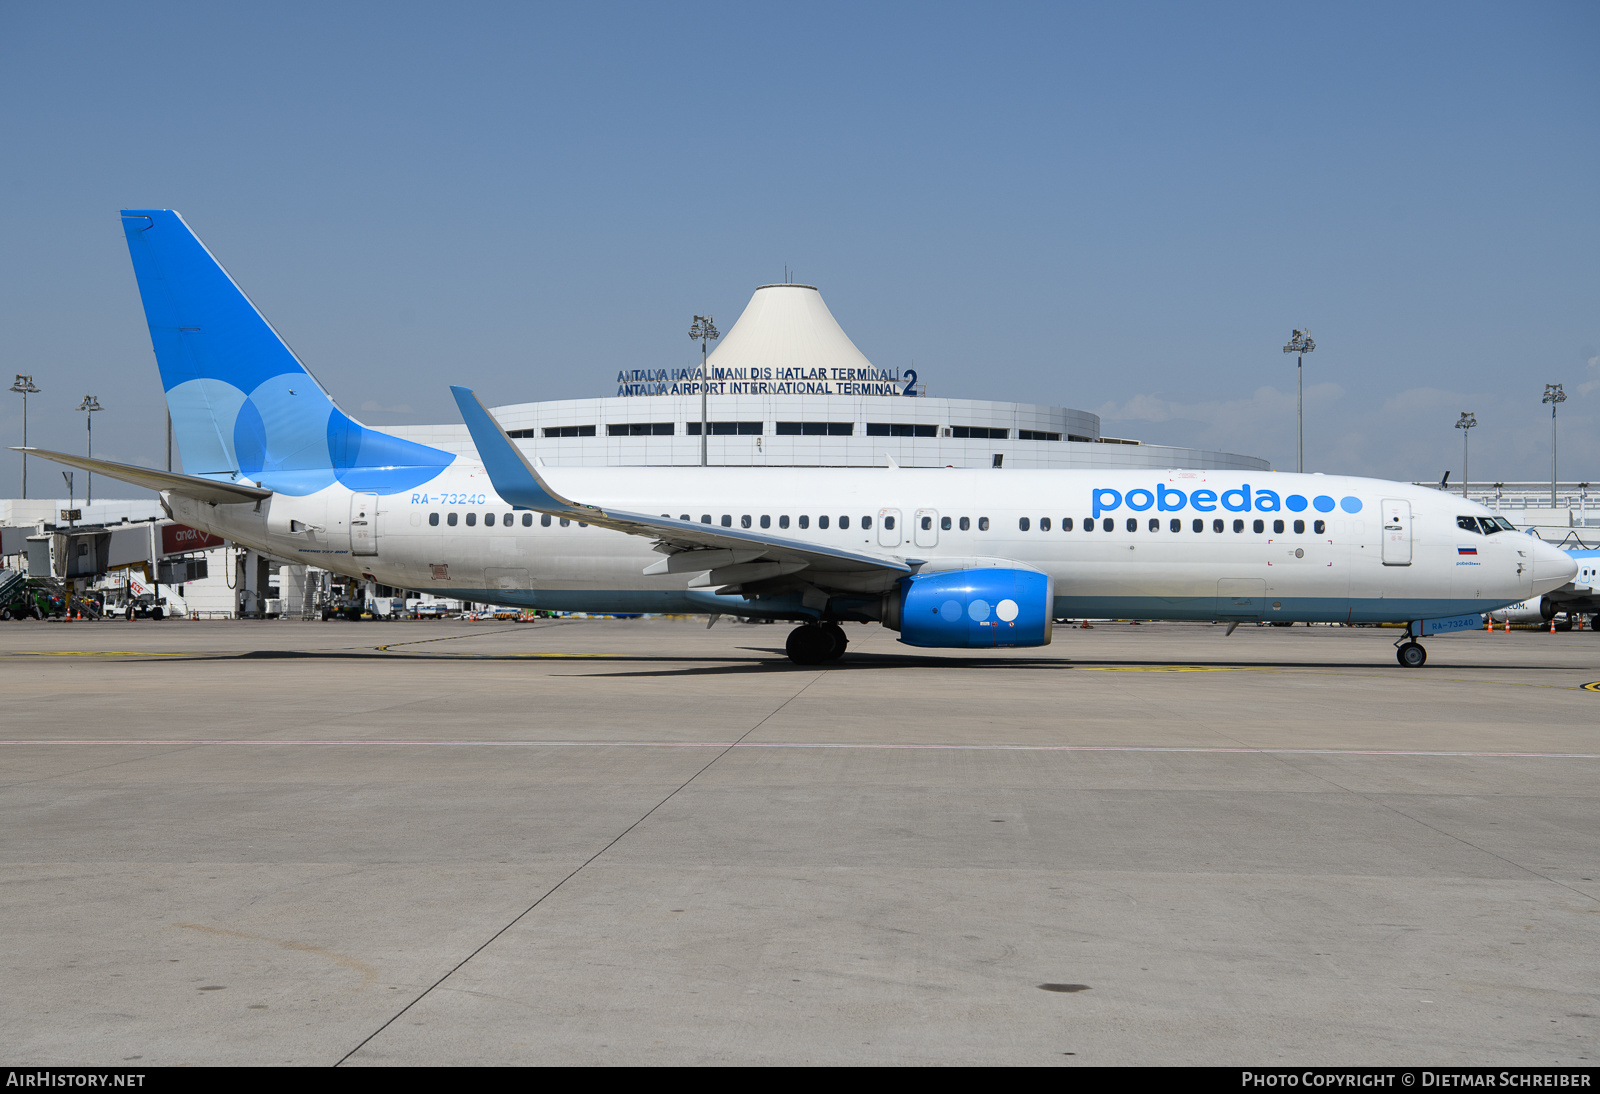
100	653
1173	668
1593	686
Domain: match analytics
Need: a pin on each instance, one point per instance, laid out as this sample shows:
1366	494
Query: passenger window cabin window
1277	527
1319	527
527	520
844	523
822	523
983	524
927	524
433	520
509	519
805	522
684	517
1238	526
1155	524
451	520
544	520
1108	524
944	524
1468	524
783	521
565	523
1260	526
727	520
705	518
472	519
1044	524
888	522
1216	525
1022	524
966	524
1133	524
866	522
766	521
744	521
1066	524
1199	525
488	520
1088	524
1299	527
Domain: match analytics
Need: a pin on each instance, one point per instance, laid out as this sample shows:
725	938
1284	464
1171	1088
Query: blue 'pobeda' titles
1240	499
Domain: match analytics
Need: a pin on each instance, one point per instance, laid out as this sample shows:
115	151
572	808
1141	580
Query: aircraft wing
734	555
190	486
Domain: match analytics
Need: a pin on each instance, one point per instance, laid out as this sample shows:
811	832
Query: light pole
706	331
1465	423
89	405
24	386
1300	345
1555	397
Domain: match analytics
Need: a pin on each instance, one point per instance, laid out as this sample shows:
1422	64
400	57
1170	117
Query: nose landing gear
1410	654
815	643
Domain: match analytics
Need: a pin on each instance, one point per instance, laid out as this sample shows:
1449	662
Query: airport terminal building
788	388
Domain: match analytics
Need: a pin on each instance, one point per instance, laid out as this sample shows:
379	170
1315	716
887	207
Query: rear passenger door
888	527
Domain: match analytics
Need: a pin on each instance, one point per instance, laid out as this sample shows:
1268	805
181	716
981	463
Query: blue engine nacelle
973	609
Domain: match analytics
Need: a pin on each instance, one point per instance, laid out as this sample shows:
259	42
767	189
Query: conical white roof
787	326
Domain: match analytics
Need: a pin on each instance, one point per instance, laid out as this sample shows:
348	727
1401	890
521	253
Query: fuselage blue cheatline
953	558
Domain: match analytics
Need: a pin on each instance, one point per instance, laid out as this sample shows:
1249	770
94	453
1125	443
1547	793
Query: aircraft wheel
1565	624
5	613
1411	655
840	640
809	645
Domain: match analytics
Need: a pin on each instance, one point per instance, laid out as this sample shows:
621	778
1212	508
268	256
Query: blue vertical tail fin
243	406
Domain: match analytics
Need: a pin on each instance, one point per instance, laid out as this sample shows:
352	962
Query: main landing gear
815	643
1410	654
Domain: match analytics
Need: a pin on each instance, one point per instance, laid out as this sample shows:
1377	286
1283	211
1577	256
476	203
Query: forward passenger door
1396	532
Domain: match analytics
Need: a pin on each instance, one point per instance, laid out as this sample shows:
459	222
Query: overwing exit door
1396	532
888	527
363	524
927	528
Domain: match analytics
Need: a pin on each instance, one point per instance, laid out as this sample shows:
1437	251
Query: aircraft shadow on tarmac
773	659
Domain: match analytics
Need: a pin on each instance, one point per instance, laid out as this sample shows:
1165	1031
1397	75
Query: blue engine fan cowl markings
976	609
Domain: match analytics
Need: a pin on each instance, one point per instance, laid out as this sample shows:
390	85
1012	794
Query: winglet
515	479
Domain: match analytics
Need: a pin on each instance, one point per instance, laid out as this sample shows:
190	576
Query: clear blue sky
1119	207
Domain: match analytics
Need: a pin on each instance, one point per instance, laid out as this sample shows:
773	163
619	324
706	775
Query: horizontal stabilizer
190	486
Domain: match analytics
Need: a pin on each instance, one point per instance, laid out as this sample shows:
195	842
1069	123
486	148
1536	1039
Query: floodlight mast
23	385
1465	423
89	405
1555	397
705	331
1300	345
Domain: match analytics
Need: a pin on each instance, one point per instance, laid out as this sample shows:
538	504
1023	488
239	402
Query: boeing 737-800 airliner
948	558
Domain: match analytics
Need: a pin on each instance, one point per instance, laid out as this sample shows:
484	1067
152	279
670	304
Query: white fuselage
1382	550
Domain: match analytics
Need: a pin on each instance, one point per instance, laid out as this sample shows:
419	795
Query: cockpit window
1468	524
1490	525
1505	525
